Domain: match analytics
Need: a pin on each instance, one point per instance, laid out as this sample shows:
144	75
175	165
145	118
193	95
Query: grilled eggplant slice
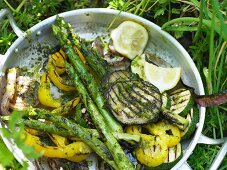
119	75
134	101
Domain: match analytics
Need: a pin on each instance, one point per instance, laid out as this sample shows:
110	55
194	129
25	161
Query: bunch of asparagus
90	93
65	127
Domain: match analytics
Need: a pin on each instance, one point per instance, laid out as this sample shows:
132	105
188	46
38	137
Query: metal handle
7	13
17	153
210	141
220	156
222	152
185	166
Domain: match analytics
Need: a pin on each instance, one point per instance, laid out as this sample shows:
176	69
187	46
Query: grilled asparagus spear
52	128
86	77
76	130
97	63
111	142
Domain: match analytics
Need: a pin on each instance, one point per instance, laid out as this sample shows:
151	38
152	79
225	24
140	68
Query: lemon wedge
129	39
163	78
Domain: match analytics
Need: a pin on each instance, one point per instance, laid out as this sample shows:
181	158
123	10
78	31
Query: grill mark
180	102
140	95
133	99
154	146
174	109
123	76
60	67
59	55
143	107
111	108
178	91
62	53
151	86
110	95
120	100
115	111
178	108
150	93
153	104
129	116
178	97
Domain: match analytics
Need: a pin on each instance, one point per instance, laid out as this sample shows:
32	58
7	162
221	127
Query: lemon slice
129	39
163	78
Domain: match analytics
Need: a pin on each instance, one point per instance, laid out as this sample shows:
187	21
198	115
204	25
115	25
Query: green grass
200	27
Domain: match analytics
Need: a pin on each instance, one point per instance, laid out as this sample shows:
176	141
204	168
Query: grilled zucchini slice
174	155
181	101
152	151
175	119
134	102
166	100
193	118
167	132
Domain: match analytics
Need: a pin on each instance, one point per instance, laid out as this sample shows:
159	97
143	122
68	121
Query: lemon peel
129	39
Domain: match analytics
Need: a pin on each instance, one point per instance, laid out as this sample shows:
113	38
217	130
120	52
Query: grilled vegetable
97	63
75	148
134	102
119	75
44	94
166	131
63	142
94	90
35	125
78	117
175	119
181	101
58	60
152	151
59	140
87	78
174	155
193	118
56	79
160	150
111	142
166	100
97	145
132	140
64	109
9	92
133	129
